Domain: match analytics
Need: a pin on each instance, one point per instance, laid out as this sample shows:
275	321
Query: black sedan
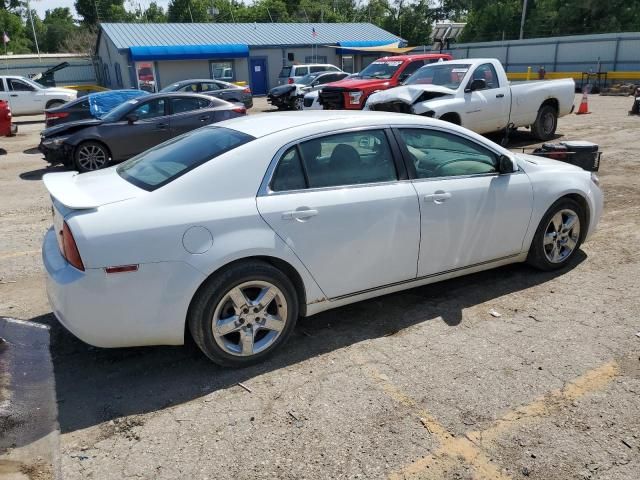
131	128
291	96
216	88
94	105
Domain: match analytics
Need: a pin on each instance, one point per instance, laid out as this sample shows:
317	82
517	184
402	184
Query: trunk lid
90	190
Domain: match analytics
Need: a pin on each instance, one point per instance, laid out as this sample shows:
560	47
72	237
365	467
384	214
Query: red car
384	73
7	129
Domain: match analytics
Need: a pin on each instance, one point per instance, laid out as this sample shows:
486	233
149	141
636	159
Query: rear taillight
290	81
69	247
49	115
241	110
247	90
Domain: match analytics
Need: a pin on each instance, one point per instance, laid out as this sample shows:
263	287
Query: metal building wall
615	52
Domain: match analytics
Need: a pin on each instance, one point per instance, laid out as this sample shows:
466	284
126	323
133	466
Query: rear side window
182	105
317	68
289	174
285	72
169	160
300	71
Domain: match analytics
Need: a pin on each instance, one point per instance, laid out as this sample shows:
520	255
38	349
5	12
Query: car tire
228	323
91	156
544	128
555	243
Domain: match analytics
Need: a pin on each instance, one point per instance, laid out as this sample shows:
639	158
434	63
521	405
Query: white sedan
231	232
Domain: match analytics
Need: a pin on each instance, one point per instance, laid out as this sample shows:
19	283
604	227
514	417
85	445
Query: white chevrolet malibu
231	232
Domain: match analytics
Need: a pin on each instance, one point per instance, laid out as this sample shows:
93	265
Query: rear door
337	201
187	114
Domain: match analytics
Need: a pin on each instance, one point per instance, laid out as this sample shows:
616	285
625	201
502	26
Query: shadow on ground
95	385
521	139
40	172
32	151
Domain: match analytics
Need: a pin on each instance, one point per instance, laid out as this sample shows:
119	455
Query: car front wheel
90	156
242	315
559	235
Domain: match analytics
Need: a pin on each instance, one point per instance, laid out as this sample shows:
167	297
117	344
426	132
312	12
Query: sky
43	5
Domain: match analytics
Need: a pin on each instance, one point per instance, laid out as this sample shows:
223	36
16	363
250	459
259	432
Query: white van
292	73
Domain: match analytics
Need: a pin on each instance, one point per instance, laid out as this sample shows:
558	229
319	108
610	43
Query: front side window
16	85
185	104
169	160
318	68
348	159
487	73
411	68
151	109
438	154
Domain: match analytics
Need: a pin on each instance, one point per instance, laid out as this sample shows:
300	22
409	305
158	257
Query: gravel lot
424	384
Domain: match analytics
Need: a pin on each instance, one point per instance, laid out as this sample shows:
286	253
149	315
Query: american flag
314	34
5	38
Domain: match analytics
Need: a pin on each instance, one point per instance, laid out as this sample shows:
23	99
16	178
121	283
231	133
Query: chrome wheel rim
561	235
299	103
92	157
249	318
548	123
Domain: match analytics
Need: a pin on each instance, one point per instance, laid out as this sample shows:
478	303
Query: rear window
169	160
285	71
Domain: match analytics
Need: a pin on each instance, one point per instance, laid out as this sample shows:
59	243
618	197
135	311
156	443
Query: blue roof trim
189	52
366	43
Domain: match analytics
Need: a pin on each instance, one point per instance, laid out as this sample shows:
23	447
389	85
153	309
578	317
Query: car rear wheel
546	123
54	104
90	156
242	315
559	235
298	103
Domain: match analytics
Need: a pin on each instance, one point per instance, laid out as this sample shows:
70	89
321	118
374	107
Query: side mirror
477	84
131	118
505	165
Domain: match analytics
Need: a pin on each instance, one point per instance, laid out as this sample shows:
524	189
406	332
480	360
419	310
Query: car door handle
14	94
437	197
299	214
162	126
204	118
500	95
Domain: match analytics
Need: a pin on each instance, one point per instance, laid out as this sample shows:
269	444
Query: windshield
285	72
118	112
307	79
380	69
445	75
169	160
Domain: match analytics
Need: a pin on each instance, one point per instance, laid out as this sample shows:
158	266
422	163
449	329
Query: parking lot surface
507	374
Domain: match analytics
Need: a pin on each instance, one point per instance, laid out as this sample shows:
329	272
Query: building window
223	70
347	63
315	59
118	75
146	76
107	76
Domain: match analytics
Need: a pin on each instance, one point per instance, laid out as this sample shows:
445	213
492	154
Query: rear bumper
147	307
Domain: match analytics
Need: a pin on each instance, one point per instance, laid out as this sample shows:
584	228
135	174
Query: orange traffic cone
584	105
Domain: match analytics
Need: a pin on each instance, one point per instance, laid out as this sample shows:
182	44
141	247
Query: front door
23	98
337	202
470	213
258	68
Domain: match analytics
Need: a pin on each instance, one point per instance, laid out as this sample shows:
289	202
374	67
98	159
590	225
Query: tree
154	14
58	25
12	24
189	11
82	40
94	11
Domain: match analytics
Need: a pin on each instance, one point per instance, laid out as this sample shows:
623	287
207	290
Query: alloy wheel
561	235
92	157
249	318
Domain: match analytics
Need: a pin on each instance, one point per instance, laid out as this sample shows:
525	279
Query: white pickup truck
476	94
27	97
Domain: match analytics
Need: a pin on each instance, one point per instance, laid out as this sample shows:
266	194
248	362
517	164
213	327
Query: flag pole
33	28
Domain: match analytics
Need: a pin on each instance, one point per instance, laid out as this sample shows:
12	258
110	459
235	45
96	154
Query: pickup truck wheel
546	123
559	235
90	156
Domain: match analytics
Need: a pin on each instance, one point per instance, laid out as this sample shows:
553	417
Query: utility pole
33	28
524	17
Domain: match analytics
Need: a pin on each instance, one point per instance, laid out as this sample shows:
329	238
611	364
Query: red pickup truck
384	73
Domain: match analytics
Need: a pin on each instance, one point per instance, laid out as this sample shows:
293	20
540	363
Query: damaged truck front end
409	100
